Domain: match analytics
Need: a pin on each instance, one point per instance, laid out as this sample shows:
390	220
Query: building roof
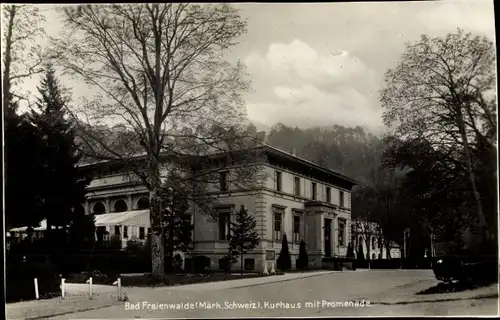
310	163
116	218
267	148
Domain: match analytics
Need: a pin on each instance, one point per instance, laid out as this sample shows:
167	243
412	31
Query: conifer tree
243	235
64	189
23	179
284	260
303	260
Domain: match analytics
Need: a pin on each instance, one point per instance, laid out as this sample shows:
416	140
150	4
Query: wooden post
37	295
118	284
89	281
62	287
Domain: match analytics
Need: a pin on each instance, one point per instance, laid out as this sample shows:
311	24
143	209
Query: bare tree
163	77
443	90
22	54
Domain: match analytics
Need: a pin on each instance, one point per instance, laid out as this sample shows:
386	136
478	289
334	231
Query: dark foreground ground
377	292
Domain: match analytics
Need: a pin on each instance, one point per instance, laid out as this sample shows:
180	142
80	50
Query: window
278	181
249	264
278	216
141	233
341	235
224	224
98	208
341	199
120	206
117	230
313	190
373	243
296	229
125	231
296	186
223	181
143	203
328	195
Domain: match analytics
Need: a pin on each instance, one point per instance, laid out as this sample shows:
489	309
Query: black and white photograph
250	160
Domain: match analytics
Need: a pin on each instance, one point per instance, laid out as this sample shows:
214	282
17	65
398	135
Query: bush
332	263
284	260
303	260
178	262
226	263
135	246
20	280
201	263
350	251
188	265
361	255
115	242
173	264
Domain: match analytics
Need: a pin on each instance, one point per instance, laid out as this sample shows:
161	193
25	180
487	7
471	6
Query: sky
321	64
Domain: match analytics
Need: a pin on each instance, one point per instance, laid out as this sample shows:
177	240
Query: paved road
389	293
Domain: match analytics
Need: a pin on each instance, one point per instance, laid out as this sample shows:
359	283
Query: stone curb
283	280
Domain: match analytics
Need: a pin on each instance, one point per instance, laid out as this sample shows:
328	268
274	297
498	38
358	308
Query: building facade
292	196
367	239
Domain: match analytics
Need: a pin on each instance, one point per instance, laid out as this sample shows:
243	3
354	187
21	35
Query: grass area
143	280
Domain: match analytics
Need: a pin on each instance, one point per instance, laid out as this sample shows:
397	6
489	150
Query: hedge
110	262
20	280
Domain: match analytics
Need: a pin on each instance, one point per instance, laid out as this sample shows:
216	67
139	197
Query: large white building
293	196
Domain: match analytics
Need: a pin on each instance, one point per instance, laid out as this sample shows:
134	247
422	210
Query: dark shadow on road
453	287
482	297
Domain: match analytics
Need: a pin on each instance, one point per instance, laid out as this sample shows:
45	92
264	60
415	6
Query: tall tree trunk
170	246
472	177
157	234
8	59
6	85
48	234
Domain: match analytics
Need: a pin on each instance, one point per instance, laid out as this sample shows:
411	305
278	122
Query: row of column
108	204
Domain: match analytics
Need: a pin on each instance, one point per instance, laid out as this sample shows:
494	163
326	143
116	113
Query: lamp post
405	255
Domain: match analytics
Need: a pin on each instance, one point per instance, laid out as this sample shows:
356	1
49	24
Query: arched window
143	203
98	208
373	242
79	209
120	206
